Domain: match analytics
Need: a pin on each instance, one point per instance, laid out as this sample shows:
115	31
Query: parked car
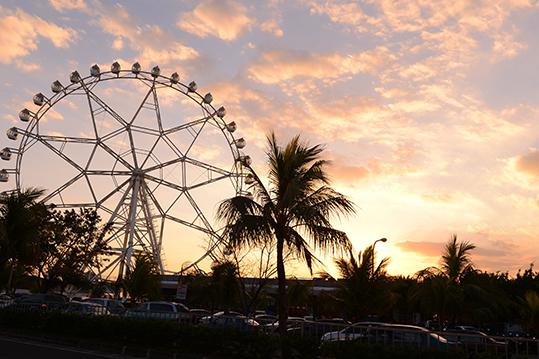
198	314
265	318
47	301
160	310
114	306
471	336
229	319
86	308
355	331
408	335
396	334
6	300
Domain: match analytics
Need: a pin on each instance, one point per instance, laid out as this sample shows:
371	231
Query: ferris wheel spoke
188	224
208	167
172	146
195	137
217	240
105	107
62	187
108	173
110	267
163	182
199	212
63	139
74	205
150	152
61	155
152	197
141	106
112	134
114	191
157	109
186	126
115	155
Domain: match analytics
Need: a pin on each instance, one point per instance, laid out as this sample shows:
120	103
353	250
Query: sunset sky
429	110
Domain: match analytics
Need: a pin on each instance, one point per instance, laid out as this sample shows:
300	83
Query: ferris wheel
148	152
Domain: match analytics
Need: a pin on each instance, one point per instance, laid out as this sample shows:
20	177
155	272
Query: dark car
6	300
229	319
46	301
113	306
86	308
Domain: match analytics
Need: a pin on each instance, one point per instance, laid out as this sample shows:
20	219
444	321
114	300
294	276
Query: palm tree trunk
281	293
10	278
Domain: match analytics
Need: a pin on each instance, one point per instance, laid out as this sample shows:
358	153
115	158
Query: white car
160	310
229	319
353	332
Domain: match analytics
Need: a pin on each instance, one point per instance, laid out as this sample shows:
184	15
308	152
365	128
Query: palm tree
442	291
364	287
293	213
456	260
143	282
21	219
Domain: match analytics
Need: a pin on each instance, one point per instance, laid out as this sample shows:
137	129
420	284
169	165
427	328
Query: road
13	348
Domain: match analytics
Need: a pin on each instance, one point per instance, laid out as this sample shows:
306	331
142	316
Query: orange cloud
20	32
277	66
424	248
439	196
225	19
529	163
154	45
272	27
61	5
27	66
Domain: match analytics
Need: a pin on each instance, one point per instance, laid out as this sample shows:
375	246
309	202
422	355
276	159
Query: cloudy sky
429	111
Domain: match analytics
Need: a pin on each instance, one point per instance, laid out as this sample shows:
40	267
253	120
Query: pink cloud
225	19
62	5
277	66
153	44
20	32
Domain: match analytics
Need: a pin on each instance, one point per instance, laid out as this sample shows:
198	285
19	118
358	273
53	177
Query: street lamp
374	245
378	240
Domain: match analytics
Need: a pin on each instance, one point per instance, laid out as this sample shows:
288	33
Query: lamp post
374	245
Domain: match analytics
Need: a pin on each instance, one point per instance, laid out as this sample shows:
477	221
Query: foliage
165	335
361	350
456	260
443	292
71	245
364	288
21	220
293	213
143	282
225	287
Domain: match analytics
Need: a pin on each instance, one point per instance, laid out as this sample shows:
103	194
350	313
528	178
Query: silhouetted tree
143	281
21	221
293	213
364	288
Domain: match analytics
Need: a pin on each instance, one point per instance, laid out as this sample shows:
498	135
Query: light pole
374	245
